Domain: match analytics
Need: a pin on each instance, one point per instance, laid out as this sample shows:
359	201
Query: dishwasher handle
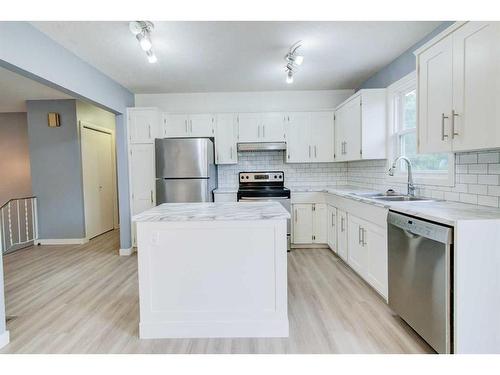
419	227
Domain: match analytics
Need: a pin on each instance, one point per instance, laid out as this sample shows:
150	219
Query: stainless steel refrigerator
185	170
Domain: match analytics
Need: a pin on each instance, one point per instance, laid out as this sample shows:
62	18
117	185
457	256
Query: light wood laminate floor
84	299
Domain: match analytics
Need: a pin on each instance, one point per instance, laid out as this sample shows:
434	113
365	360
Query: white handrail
25	217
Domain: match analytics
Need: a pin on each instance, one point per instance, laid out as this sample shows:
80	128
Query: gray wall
15	177
56	169
402	65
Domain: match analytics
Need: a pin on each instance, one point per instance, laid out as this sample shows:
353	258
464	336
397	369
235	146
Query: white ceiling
238	56
16	89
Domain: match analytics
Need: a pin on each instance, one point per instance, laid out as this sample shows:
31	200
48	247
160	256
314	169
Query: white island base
211	276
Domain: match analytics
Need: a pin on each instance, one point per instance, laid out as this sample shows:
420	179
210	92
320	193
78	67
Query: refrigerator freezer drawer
183	190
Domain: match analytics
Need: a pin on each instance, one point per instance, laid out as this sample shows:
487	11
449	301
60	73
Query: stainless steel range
265	186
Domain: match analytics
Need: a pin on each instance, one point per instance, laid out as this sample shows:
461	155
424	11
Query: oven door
285	202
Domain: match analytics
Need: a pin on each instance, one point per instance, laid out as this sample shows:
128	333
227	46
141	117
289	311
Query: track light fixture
293	60
142	31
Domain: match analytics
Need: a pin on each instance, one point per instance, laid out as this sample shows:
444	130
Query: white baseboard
4	339
126	252
62	241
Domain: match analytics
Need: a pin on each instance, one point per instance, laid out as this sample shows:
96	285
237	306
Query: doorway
99	182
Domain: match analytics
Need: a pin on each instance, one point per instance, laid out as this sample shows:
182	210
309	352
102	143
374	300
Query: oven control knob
247	177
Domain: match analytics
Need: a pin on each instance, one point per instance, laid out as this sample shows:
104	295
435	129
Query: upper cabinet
226	136
360	131
143	124
188	125
309	137
458	75
260	127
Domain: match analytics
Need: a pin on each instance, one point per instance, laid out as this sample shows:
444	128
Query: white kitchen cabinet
188	125
309	137
302	223
142	180
367	256
342	234
332	228
260	127
310	223
143	124
458	75
360	132
226	136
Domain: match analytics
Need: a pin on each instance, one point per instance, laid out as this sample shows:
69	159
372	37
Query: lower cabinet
342	234
331	215
367	255
309	223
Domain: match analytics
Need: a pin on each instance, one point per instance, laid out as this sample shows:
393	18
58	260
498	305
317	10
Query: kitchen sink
401	198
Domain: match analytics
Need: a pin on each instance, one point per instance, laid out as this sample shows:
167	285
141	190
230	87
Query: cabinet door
273	127
320	225
332	228
342	250
358	256
225	139
142	179
297	134
176	125
322	137
201	125
352	129
143	125
302	223
435	90
476	86
375	241
249	127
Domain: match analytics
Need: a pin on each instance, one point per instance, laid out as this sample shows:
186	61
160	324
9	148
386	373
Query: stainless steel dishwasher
420	277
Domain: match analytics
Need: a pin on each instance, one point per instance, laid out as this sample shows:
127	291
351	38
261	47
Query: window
427	168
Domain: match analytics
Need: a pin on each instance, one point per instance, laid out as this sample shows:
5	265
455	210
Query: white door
375	240
176	125
225	139
332	228
297	133
322	137
249	127
435	91
320	234
342	250
358	256
142	176
302	223
476	86
352	129
273	127
201	125
143	125
97	166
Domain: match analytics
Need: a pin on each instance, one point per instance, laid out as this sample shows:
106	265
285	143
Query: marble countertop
445	212
213	211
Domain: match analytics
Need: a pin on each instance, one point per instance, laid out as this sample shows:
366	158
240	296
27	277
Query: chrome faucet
411	185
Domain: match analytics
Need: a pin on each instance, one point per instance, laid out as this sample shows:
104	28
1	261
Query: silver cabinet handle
453	132
360	231
345	147
149	131
363	238
231	152
263	131
315	152
258	131
191	125
295	215
342	224
332	220
309	151
151	196
443	135
186	123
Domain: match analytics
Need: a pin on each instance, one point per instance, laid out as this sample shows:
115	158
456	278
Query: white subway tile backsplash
468	198
467	158
486	200
488	179
478	189
467	178
488	157
493	168
478	168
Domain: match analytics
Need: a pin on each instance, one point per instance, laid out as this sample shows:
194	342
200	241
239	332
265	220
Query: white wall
265	101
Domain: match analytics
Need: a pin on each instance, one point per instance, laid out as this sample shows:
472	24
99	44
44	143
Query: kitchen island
213	270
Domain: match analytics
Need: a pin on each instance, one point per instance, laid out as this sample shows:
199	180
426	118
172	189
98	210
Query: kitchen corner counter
226	211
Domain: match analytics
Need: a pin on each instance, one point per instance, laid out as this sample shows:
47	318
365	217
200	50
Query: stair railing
18	224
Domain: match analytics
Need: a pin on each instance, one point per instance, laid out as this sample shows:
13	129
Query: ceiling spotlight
151	56
142	31
299	59
289	77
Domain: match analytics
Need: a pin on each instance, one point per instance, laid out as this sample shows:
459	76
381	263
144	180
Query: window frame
394	117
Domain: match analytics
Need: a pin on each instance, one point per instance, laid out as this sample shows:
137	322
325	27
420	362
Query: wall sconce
54	120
